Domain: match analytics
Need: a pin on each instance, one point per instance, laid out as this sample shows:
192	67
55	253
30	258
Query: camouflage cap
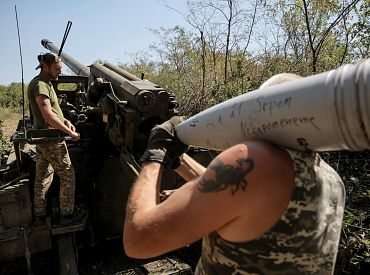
47	58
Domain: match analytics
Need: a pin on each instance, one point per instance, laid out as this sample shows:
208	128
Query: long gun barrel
324	112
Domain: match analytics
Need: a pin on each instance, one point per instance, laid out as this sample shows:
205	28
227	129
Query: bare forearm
55	122
143	198
145	192
43	103
189	168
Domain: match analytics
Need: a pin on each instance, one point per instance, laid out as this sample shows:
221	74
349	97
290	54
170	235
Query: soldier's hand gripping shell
163	145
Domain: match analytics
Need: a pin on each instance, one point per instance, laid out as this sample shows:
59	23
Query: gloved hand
163	145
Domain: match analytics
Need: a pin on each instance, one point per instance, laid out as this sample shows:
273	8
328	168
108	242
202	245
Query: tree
11	95
234	45
316	32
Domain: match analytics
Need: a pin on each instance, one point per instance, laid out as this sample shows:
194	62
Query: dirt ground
10	123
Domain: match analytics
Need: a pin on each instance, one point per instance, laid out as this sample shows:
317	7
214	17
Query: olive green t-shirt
36	87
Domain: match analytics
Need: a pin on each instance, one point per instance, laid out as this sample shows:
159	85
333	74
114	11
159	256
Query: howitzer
130	106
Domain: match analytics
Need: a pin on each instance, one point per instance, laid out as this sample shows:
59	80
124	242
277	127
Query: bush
5	146
11	95
354	168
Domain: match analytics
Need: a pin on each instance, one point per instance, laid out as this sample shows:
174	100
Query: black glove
163	145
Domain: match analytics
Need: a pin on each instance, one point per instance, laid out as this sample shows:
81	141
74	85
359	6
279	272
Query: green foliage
353	167
10	103
360	32
352	219
319	33
309	37
11	95
5	146
67	87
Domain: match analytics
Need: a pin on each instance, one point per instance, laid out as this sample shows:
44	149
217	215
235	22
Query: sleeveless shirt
305	239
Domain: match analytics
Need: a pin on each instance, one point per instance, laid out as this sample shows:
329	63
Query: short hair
280	78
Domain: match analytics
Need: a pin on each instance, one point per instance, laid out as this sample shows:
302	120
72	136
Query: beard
54	76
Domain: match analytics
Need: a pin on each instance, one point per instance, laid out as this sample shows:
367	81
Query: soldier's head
50	64
279	78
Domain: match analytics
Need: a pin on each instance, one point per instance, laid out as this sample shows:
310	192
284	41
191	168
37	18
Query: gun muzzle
73	64
325	112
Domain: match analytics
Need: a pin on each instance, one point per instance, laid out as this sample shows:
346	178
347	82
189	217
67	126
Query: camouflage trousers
50	157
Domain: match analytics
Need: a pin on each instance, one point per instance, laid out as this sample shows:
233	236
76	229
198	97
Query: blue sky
109	30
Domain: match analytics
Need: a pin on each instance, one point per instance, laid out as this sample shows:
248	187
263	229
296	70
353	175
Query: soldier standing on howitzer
260	208
52	155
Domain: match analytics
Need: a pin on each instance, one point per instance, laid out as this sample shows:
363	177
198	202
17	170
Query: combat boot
76	217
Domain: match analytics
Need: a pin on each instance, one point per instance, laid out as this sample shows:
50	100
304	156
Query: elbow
139	245
129	246
129	240
131	252
134	248
132	241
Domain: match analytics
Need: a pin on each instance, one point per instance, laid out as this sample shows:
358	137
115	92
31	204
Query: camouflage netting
354	247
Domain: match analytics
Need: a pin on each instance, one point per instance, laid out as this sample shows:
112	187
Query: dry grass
10	118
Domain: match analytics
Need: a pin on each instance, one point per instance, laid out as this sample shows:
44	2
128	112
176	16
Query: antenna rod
20	53
66	32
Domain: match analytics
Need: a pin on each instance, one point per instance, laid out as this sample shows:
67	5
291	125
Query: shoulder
253	164
260	178
264	155
39	87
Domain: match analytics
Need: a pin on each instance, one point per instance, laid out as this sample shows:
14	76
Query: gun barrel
98	69
77	67
121	72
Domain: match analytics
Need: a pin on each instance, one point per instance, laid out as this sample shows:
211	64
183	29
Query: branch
334	23
347	42
356	226
308	28
251	28
313	50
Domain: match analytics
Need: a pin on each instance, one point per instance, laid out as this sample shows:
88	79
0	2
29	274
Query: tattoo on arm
44	100
233	176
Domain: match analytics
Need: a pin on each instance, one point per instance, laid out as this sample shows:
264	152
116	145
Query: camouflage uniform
50	156
304	240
